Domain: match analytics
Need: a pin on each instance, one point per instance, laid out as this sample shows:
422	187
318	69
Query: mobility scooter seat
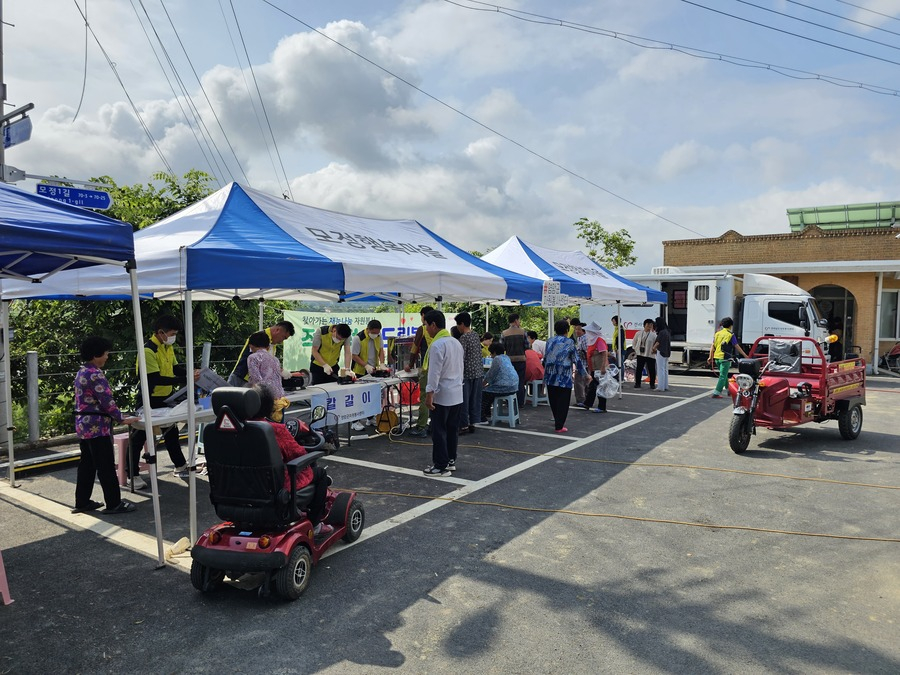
246	471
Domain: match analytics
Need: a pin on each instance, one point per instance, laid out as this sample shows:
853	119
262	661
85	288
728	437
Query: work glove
328	369
370	368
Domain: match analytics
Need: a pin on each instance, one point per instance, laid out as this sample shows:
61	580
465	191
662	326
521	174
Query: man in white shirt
443	393
540	346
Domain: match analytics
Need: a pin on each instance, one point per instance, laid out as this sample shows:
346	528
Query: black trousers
591	394
97	460
559	399
487	402
648	362
317	506
171	440
444	434
319	376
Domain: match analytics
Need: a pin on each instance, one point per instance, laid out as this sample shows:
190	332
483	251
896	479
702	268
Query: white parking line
396	469
428	507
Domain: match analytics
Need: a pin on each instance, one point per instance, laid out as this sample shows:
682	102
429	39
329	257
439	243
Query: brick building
847	257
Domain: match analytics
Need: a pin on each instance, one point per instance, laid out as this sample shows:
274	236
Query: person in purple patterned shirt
95	411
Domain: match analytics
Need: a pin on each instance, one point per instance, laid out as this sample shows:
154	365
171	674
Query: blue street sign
89	199
17	132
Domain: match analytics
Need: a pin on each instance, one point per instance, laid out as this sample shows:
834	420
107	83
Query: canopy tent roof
40	236
245	243
579	276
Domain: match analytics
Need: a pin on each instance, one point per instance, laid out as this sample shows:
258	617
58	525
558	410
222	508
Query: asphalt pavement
636	543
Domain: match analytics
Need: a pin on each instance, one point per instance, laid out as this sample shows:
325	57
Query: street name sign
17	132
88	199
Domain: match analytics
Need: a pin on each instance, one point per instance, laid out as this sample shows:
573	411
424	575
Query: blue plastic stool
511	416
533	393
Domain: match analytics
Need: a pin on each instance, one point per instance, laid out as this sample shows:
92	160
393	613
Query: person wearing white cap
598	361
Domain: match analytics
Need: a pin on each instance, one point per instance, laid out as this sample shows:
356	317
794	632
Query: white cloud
684	158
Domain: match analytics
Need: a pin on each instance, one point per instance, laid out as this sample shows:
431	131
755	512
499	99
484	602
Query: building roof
844	216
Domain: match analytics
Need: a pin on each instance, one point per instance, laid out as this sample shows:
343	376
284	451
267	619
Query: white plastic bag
607	384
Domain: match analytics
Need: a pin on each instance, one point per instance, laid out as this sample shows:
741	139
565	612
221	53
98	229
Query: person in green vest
721	352
328	343
164	373
278	333
367	350
421	343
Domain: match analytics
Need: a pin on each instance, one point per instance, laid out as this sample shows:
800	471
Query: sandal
90	506
123	506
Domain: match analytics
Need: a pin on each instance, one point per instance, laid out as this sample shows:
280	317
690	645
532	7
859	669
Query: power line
482	124
208	159
866	9
262	103
792	34
84	76
203	90
134	108
237	58
842	17
817	25
693	52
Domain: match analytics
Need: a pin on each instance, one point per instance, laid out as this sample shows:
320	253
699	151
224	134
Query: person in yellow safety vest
421	343
163	374
486	340
367	349
721	352
278	333
327	344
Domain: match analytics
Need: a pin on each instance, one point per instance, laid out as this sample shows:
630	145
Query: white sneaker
138	483
372	422
181	471
358	426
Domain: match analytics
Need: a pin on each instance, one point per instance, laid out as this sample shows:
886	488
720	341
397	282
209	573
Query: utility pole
2	98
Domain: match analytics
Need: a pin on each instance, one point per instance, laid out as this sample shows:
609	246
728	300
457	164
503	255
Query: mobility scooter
267	529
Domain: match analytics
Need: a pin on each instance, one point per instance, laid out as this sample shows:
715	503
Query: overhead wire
842	17
84	76
693	52
262	102
250	97
818	25
791	33
209	159
131	102
203	90
866	9
481	124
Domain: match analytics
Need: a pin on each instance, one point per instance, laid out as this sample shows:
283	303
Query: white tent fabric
245	243
580	277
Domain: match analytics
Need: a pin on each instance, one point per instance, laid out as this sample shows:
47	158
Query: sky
481	121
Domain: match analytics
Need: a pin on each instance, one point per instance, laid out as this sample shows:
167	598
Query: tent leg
620	352
148	424
191	421
7	390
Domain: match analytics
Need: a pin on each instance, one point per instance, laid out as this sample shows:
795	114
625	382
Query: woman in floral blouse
558	361
95	410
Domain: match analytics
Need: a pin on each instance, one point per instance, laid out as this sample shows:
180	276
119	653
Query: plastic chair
511	415
533	393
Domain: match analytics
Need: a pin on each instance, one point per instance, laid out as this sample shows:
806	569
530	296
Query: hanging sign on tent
551	296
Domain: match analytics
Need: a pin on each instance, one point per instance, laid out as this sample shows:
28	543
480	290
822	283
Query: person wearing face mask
367	352
328	342
164	373
277	334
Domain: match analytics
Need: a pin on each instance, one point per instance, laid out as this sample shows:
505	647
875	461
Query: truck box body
759	305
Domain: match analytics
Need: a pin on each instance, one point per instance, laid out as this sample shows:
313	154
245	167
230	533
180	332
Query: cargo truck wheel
739	433
850	422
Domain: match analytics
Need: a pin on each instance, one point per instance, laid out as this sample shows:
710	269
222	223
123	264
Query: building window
786	312
890	326
701	293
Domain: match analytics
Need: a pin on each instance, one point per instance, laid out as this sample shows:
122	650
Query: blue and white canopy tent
242	243
579	277
40	238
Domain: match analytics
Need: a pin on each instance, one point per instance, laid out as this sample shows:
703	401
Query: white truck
761	305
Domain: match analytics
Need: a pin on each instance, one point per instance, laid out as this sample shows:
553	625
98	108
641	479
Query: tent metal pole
148	425
7	390
262	309
620	347
191	420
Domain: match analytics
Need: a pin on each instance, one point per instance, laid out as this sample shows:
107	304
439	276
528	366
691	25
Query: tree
143	205
610	249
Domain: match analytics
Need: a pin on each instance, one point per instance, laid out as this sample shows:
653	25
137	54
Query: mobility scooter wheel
292	579
739	433
356	520
850	422
204	578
